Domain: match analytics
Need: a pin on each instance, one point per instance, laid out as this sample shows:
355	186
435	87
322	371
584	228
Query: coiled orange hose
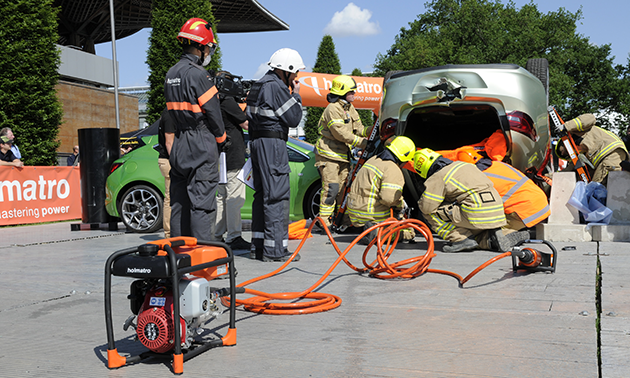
387	238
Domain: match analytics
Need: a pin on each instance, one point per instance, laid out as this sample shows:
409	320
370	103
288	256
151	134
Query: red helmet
197	30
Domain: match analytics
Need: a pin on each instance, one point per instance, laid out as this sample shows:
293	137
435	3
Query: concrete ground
500	324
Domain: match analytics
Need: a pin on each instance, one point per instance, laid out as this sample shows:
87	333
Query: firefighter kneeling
462	206
378	186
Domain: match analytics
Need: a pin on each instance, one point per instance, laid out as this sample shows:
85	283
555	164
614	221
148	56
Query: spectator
231	195
6	131
461	205
194	106
6	155
603	149
273	105
74	158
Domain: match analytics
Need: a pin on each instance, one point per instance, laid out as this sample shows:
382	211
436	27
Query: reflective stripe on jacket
340	128
377	188
466	186
601	143
191	97
271	106
519	194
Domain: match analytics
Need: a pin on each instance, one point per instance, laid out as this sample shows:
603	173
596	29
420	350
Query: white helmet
286	60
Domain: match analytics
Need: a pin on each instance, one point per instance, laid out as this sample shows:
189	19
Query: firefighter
192	102
273	105
603	149
524	203
378	186
461	205
340	129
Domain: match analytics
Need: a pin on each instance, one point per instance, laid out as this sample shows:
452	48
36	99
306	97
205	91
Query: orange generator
181	267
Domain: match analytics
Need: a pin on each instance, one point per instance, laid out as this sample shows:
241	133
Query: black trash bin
99	148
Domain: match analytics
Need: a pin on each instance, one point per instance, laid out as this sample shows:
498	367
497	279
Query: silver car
447	107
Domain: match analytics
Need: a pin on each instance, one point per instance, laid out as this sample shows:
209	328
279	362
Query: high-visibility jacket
519	194
340	129
191	97
472	194
376	189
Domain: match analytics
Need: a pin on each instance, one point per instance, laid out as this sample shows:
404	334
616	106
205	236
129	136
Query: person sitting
6	155
461	205
378	186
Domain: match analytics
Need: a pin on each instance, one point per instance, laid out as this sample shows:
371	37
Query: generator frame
115	360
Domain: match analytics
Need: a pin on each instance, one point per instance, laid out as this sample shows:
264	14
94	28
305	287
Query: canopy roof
83	23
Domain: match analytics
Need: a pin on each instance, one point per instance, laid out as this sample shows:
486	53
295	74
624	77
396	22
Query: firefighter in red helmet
192	102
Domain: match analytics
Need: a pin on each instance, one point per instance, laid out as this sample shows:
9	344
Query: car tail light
522	123
115	167
388	128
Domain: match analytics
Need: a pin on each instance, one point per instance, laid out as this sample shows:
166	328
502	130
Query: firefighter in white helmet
340	129
378	186
273	105
461	205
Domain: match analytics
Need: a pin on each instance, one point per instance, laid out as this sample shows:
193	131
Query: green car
135	186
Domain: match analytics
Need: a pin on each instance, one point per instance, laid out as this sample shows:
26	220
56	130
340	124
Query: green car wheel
141	209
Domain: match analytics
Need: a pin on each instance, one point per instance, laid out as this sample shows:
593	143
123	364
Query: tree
327	62
366	115
28	72
167	18
582	76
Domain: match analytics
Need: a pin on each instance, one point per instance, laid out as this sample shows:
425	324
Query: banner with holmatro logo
315	86
39	194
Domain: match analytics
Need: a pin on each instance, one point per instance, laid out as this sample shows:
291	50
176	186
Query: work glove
225	145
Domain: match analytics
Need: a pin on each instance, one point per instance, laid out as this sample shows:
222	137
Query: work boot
369	237
503	243
281	259
467	244
239	244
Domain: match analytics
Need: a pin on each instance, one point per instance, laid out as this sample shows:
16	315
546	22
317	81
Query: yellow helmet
423	160
402	147
342	85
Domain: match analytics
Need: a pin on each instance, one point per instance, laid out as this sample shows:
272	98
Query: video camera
232	85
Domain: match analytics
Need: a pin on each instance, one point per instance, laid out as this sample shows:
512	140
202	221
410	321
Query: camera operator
231	195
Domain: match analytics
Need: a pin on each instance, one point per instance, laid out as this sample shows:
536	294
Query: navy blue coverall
192	101
271	109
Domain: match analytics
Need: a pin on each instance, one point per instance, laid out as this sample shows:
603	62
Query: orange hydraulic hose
387	238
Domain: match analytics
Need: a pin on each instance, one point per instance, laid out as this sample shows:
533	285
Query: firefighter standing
191	99
273	105
524	203
602	148
461	205
379	185
338	128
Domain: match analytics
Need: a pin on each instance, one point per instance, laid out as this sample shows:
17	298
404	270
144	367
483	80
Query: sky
360	30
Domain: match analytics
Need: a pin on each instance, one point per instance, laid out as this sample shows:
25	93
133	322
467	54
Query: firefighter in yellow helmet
340	129
379	185
461	205
602	148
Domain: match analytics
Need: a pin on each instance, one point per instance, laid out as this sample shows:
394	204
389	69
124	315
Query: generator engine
152	302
